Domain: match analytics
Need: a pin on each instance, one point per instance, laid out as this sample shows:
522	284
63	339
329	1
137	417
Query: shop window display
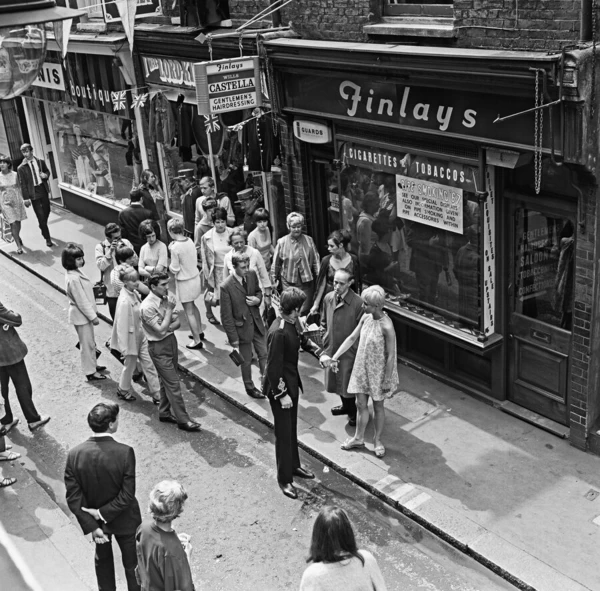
417	235
95	152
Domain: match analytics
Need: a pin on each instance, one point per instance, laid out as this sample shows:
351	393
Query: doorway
42	142
541	242
326	212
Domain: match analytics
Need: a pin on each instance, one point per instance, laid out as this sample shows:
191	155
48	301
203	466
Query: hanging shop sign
51	76
227	85
489	253
168	71
451	113
312	132
144	9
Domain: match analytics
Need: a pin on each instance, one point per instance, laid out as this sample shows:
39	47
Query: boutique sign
453	113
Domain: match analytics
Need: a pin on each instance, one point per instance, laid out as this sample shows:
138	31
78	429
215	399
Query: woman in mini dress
375	372
214	245
12	205
187	277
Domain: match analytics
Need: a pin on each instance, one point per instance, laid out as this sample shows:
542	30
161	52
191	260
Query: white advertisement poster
429	203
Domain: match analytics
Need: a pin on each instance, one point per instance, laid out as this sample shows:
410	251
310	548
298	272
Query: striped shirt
296	261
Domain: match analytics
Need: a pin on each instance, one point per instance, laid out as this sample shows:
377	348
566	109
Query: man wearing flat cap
190	194
33	178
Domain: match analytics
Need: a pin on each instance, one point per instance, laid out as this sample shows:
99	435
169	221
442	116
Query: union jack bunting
119	100
211	123
139	100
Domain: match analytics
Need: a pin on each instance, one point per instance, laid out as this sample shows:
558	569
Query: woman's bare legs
379	419
193	314
15	229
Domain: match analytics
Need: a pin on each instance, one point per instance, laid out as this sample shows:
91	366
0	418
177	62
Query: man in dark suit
240	314
283	384
12	367
131	218
33	178
100	481
190	193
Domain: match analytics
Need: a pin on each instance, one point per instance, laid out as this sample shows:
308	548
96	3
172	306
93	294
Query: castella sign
227	85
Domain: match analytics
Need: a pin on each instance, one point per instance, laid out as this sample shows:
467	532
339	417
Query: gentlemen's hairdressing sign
227	85
442	111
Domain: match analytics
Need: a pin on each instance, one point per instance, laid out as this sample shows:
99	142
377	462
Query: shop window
95	152
417	233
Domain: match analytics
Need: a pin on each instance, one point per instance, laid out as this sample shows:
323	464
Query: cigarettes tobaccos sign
227	85
430	203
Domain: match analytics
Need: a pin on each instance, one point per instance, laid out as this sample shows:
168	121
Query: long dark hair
333	537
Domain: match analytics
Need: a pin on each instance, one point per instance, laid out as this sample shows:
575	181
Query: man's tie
36	180
245	285
338	299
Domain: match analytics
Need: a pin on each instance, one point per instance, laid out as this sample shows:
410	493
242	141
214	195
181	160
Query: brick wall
523	24
246	9
339	20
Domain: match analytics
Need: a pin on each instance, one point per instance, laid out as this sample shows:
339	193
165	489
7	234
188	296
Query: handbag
99	292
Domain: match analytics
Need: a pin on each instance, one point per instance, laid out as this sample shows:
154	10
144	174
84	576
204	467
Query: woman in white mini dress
12	205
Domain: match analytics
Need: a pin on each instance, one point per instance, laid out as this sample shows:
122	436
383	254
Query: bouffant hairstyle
333	538
340	238
240	232
166	501
123	253
220	213
69	255
374	295
261	215
294	217
128	273
148	227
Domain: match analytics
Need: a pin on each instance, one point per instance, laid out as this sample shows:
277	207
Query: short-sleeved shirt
153	311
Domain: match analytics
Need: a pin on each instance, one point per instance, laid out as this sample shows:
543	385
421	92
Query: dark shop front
469	220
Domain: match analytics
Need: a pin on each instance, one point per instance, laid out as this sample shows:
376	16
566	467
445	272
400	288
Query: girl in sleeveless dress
375	371
12	205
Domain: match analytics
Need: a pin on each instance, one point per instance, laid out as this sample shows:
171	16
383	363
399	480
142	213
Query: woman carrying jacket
130	340
82	309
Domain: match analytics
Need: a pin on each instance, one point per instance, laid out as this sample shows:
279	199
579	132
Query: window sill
412	26
116	205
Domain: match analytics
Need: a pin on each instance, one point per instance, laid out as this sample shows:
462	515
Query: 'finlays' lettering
353	93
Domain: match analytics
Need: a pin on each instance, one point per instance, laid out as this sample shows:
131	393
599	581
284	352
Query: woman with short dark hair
214	245
163	555
337	563
82	309
154	256
260	237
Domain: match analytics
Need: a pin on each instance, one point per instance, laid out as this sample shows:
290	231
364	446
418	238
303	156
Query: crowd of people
239	271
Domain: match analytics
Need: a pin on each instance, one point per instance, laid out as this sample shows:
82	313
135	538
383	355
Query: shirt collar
240	279
103	435
152	297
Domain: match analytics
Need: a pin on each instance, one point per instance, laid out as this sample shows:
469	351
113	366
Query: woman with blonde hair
184	266
163	555
375	371
296	261
337	563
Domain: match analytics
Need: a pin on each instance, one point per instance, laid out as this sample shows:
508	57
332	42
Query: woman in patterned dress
375	372
12	205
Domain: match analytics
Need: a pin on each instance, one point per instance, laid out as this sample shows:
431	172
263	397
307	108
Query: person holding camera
106	261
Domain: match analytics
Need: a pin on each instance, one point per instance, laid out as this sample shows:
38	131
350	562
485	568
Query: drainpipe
276	16
585	27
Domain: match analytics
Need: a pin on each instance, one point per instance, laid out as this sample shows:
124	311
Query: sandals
379	450
7	482
351	443
213	320
11	456
19	251
126	396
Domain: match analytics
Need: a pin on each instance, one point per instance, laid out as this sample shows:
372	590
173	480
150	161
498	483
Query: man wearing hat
250	201
33	178
190	194
207	186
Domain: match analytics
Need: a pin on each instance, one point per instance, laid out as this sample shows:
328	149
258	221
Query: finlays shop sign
227	85
438	110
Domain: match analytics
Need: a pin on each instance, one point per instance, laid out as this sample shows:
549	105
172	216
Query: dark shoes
93	377
138	378
254	392
168	419
9	426
50	244
199	345
289	491
189	426
336	411
303	473
37	424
